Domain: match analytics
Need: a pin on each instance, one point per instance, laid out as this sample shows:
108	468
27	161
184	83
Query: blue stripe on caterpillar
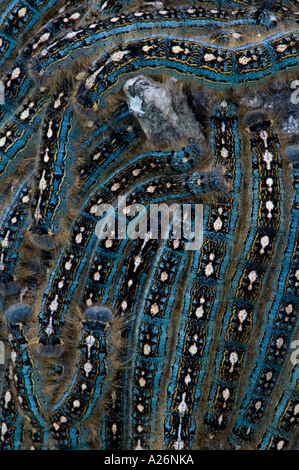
11	233
96	34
